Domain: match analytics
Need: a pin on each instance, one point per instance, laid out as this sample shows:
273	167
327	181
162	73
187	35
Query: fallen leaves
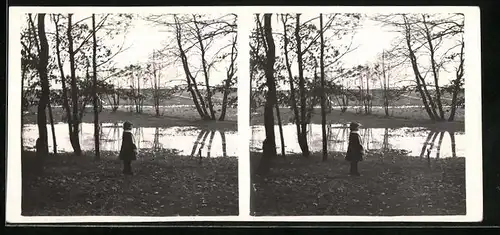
406	187
177	186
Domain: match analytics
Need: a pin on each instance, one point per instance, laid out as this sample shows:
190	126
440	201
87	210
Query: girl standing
128	151
355	150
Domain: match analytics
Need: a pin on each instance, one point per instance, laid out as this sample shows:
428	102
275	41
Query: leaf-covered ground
163	186
390	185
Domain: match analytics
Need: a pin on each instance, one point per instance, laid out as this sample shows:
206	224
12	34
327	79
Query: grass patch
167	186
183	116
390	185
369	121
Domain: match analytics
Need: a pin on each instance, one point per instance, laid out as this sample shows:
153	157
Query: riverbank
176	116
407	117
174	185
390	185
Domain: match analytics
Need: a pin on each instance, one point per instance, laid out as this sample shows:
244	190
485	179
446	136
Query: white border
472	115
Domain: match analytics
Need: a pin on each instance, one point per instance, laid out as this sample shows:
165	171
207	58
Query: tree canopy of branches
71	41
433	45
299	45
203	44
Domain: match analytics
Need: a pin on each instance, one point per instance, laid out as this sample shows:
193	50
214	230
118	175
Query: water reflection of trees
338	139
430	144
201	141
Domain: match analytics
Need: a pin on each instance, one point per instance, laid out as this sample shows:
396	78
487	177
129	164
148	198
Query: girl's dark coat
355	150
128	149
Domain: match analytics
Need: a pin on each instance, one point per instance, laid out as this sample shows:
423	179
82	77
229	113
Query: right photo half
357	114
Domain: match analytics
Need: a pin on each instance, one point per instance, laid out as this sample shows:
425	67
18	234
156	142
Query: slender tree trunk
63	83
323	98
293	100
138	97
229	77
224	100
280	126
435	72
430	111
74	91
191	82
303	138
42	144
205	70
157	96
94	92
368	95
456	83
54	142
24	69
384	86
421	86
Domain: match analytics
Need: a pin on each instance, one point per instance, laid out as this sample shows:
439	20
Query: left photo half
127	114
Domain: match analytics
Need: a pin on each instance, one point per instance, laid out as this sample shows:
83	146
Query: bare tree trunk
74	91
368	95
52	128
435	72
421	86
63	84
205	70
302	138
229	76
96	108
224	100
323	98
155	82
456	83
42	149
280	126
269	146
138	97
385	85
293	100
192	87
24	69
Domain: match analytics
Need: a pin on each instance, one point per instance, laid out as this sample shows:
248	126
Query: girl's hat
127	125
354	125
